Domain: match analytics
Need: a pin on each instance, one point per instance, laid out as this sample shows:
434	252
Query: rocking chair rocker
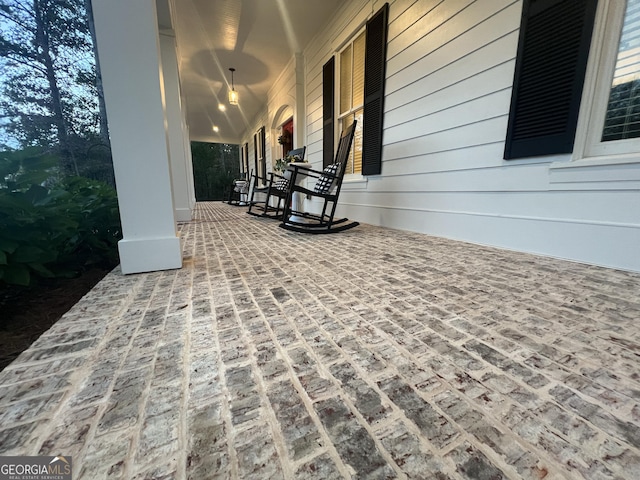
327	189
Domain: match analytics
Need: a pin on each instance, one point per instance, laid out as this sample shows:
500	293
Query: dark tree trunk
69	164
104	126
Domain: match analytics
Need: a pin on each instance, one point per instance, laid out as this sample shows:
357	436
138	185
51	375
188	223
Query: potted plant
281	164
285	138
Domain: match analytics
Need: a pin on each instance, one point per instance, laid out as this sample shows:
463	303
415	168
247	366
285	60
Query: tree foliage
215	166
57	215
52	225
49	96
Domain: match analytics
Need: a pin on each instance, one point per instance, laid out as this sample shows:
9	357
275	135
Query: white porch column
299	120
129	51
179	162
187	154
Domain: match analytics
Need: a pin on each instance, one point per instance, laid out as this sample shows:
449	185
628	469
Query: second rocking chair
274	190
326	189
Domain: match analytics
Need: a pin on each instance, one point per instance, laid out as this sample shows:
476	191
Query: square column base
150	255
183	215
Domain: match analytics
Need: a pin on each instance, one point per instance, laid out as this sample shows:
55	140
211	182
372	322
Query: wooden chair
326	188
275	189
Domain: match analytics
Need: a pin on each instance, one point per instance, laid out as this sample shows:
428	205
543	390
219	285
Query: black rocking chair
326	188
276	189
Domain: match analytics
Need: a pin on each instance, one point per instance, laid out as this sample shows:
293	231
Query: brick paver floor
370	354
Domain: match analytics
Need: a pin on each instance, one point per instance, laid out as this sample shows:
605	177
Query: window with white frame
360	96
610	115
351	96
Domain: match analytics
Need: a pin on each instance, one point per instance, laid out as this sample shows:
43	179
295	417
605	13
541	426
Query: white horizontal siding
445	45
606	245
450	67
608	208
473	111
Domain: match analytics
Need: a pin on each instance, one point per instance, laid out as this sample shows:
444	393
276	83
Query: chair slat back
298	153
331	179
344	146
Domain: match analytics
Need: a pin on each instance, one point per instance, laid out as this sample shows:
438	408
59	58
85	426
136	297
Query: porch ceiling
256	37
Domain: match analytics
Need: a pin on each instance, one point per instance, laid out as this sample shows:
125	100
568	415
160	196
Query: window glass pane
356	148
623	112
346	75
346	121
358	70
354	165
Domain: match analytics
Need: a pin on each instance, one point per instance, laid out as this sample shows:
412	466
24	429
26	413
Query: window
351	97
622	119
361	79
610	119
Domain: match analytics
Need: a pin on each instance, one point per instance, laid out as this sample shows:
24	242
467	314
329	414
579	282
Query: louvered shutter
328	72
261	168
245	159
375	64
550	66
255	152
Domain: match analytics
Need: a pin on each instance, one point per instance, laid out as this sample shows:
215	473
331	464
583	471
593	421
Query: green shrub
94	207
51	226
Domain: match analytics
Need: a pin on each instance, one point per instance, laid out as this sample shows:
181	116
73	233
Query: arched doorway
286	137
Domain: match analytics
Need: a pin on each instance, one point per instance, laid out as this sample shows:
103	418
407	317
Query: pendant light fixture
233	95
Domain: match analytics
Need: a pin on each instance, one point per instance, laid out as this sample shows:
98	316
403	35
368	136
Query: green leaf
31	254
7	245
36	194
42	270
11	203
16	275
3	258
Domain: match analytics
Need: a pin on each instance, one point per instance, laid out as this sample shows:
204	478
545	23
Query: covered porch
374	353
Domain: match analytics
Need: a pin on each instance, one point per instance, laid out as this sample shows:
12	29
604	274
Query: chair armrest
273	174
304	170
311	193
258	177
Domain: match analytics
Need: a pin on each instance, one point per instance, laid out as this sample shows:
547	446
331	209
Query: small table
242	188
297	202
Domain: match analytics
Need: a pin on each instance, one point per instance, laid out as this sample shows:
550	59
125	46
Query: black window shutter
255	152
328	105
262	167
375	67
245	159
553	49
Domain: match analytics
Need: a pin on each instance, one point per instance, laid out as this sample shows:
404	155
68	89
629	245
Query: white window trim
588	149
343	47
353	179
